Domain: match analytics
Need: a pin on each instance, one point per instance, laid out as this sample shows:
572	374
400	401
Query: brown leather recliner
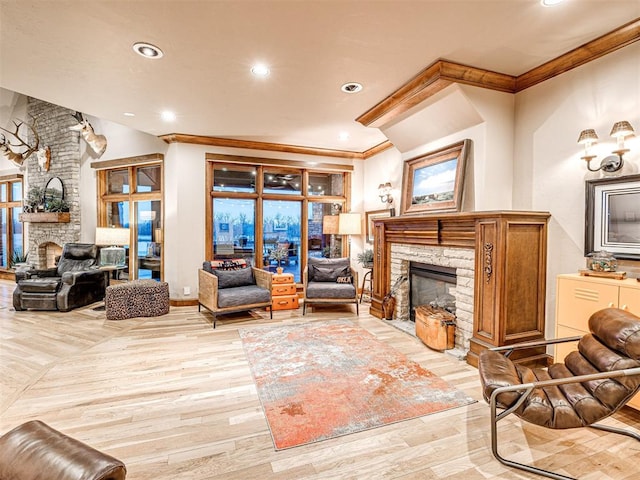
75	282
591	384
34	450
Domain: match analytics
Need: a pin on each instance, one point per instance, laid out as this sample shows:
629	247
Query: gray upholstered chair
75	282
227	291
329	280
592	383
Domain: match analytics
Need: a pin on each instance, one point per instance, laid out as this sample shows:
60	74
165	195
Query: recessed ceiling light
147	50
260	70
351	87
168	116
343	136
129	114
550	3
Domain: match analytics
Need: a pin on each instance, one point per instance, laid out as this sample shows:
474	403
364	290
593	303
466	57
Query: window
11	234
272	214
132	197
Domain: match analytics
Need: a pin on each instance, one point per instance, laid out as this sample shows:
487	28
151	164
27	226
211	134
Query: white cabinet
577	297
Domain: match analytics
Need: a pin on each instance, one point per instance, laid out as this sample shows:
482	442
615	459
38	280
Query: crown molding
252	145
381	147
443	73
607	43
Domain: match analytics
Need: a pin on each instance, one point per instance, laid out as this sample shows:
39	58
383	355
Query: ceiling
78	54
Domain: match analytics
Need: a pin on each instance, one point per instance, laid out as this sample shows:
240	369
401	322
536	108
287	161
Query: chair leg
304	307
495	418
357	309
619	431
271	311
214	321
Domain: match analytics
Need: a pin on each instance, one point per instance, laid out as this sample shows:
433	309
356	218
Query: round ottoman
138	298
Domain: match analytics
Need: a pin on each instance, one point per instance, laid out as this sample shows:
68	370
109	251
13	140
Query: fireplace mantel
510	270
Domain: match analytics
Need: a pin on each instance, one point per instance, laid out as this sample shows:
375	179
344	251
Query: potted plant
365	258
18	259
278	254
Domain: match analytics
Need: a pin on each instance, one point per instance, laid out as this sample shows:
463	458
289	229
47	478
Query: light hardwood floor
174	399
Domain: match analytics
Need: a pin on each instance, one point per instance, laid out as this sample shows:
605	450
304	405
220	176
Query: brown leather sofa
593	382
75	282
34	451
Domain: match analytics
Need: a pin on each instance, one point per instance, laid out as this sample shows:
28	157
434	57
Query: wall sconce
384	192
609	164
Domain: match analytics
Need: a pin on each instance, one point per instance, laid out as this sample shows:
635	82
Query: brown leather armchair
592	383
75	282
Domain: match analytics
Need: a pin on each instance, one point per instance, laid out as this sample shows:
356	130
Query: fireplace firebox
431	285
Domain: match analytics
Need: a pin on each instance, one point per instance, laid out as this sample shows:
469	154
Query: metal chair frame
527	388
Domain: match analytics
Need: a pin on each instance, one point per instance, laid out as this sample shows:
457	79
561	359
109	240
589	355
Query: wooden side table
283	292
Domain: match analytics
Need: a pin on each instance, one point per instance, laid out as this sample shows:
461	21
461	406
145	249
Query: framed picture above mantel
612	220
434	182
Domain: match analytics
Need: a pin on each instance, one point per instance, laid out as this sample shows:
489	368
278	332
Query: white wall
548	171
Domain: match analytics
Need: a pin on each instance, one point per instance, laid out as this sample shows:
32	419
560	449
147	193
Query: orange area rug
321	380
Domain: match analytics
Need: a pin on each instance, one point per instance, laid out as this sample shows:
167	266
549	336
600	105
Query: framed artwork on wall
372	215
433	182
612	220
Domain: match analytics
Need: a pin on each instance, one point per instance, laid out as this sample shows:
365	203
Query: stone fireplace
45	240
500	263
459	259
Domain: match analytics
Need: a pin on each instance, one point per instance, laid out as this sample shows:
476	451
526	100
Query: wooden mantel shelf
46	217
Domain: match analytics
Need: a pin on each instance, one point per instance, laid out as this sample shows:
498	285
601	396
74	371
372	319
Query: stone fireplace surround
45	240
462	259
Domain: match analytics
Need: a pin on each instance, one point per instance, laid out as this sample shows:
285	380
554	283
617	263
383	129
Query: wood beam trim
443	73
430	81
125	162
252	145
381	147
220	157
607	43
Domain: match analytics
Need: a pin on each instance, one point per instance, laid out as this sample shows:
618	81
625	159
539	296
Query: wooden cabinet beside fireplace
510	270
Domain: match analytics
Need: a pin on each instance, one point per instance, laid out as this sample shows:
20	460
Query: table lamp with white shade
112	240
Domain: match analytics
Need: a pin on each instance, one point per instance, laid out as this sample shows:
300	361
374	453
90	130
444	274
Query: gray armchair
329	280
75	282
227	291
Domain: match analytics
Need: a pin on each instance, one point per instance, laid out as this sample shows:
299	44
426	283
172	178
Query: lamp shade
588	136
330	224
622	129
112	236
350	224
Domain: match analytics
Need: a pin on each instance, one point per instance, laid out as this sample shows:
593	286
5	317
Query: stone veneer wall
461	259
53	128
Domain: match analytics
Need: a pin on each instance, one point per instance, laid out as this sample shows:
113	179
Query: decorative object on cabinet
612	220
283	292
372	215
434	182
602	261
578	297
593	382
612	163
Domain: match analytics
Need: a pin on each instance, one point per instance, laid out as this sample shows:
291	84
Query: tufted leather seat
34	450
593	382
